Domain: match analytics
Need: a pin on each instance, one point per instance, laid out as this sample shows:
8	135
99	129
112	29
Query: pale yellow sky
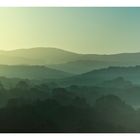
83	30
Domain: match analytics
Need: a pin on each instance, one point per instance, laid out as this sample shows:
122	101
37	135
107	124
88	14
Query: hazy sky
84	30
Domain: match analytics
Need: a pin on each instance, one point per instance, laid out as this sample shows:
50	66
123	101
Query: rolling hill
67	61
82	66
96	77
36	56
31	72
89	62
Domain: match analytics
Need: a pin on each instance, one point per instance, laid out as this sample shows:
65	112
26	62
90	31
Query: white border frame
69	3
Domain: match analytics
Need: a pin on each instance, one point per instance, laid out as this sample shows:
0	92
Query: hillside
88	62
96	77
31	72
82	66
67	61
36	56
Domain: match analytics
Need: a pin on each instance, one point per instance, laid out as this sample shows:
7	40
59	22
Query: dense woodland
51	108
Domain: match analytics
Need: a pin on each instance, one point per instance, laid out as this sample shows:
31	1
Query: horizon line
8	50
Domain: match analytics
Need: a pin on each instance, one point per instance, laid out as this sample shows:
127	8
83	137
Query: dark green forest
48	107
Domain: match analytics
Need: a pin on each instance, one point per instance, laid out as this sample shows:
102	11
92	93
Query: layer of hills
96	77
31	72
34	80
93	77
67	61
36	56
82	66
52	63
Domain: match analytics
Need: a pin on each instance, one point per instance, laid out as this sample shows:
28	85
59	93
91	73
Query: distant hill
88	62
31	72
36	56
96	77
118	82
67	61
12	82
82	66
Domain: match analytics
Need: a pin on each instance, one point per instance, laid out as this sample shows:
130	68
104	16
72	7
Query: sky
81	30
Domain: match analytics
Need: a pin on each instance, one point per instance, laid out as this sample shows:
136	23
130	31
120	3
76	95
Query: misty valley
56	91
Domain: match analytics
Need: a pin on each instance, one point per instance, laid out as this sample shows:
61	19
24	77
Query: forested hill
98	76
31	72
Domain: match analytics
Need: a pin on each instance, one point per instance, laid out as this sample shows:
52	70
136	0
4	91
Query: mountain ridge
65	60
31	72
36	48
96	77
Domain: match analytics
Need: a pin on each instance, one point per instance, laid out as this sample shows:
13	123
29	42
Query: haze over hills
88	62
67	61
21	86
82	66
96	77
36	56
31	72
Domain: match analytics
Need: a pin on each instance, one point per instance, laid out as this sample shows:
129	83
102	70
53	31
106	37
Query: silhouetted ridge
31	72
95	77
66	60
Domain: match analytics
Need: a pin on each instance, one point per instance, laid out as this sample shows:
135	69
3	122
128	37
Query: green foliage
44	108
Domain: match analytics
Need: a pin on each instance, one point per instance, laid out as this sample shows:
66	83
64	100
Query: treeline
49	108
